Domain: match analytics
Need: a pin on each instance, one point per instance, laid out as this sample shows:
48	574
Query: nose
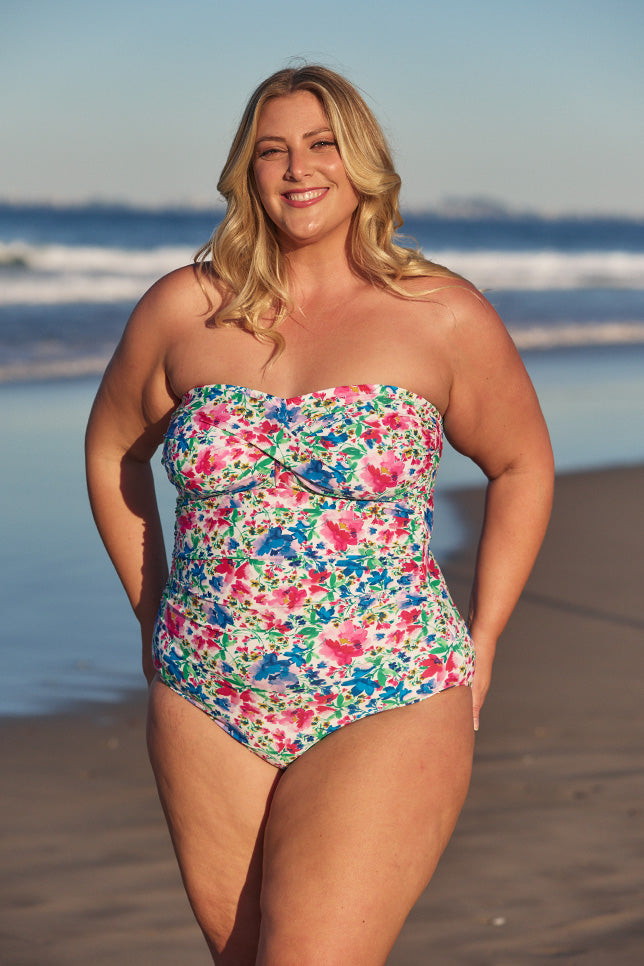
298	164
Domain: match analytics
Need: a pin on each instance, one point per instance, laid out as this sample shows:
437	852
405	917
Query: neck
315	268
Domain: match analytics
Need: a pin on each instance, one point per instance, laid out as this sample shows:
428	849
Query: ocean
69	276
570	290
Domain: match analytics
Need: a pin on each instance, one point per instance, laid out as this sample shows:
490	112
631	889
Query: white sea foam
65	368
577	334
547	269
53	274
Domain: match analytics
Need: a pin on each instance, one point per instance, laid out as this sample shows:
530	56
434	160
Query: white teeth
304	195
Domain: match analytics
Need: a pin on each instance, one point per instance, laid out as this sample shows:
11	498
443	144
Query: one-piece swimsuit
303	594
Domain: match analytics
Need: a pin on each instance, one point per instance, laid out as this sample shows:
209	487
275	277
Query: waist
251	583
321	531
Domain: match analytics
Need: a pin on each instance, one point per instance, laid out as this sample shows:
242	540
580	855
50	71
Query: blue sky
535	103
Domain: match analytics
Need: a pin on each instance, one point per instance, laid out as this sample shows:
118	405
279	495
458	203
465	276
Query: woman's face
299	173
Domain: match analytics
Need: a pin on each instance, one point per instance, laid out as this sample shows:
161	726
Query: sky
535	104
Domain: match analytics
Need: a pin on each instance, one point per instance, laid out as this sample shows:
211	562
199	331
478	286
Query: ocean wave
545	270
57	274
577	334
30	370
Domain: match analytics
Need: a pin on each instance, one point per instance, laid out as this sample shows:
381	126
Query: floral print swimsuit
303	595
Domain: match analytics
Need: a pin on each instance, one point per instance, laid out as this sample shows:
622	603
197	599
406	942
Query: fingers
482	677
479	691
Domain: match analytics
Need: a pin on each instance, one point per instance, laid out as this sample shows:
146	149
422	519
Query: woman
311	683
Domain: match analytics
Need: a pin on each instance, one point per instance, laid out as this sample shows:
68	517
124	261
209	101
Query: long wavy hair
243	256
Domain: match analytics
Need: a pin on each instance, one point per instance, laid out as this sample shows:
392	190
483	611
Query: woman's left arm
493	416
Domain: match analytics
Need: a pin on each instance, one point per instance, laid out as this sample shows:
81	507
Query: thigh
215	794
356	828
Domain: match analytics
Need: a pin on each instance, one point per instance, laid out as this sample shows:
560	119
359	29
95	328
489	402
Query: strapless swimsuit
303	594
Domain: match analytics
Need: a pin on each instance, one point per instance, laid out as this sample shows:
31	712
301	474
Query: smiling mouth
311	195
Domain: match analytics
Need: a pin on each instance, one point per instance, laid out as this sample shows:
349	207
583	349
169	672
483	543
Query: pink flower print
284	742
453	671
371	432
348	645
210	523
300	717
203	641
322	700
432	666
397	421
432	569
264	433
273	623
186	521
240	590
227	691
433	439
317	581
209	460
228	568
189	477
385	476
410	617
348	394
174	622
290	597
401	526
209	416
248	704
345	532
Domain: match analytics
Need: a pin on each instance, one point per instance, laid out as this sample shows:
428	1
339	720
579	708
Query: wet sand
547	862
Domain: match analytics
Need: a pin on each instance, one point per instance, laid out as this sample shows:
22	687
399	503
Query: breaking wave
57	274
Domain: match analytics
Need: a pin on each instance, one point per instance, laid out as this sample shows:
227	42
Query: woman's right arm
128	419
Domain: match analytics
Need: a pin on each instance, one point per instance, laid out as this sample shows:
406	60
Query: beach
546	861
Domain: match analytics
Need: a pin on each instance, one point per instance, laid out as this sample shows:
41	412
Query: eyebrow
308	134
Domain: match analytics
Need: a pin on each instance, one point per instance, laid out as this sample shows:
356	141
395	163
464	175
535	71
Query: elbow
544	467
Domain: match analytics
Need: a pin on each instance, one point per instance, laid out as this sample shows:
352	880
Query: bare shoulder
463	300
161	319
181	295
467	320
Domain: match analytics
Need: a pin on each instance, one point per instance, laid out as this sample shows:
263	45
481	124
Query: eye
269	152
325	143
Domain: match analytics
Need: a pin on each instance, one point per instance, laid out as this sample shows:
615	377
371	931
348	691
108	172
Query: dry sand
547	862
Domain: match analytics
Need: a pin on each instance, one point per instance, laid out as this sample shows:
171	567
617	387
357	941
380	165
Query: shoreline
544	861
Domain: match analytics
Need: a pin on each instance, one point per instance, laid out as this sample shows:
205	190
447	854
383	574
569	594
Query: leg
215	794
356	828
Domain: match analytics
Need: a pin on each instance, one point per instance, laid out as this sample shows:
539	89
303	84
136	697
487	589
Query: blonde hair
244	255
